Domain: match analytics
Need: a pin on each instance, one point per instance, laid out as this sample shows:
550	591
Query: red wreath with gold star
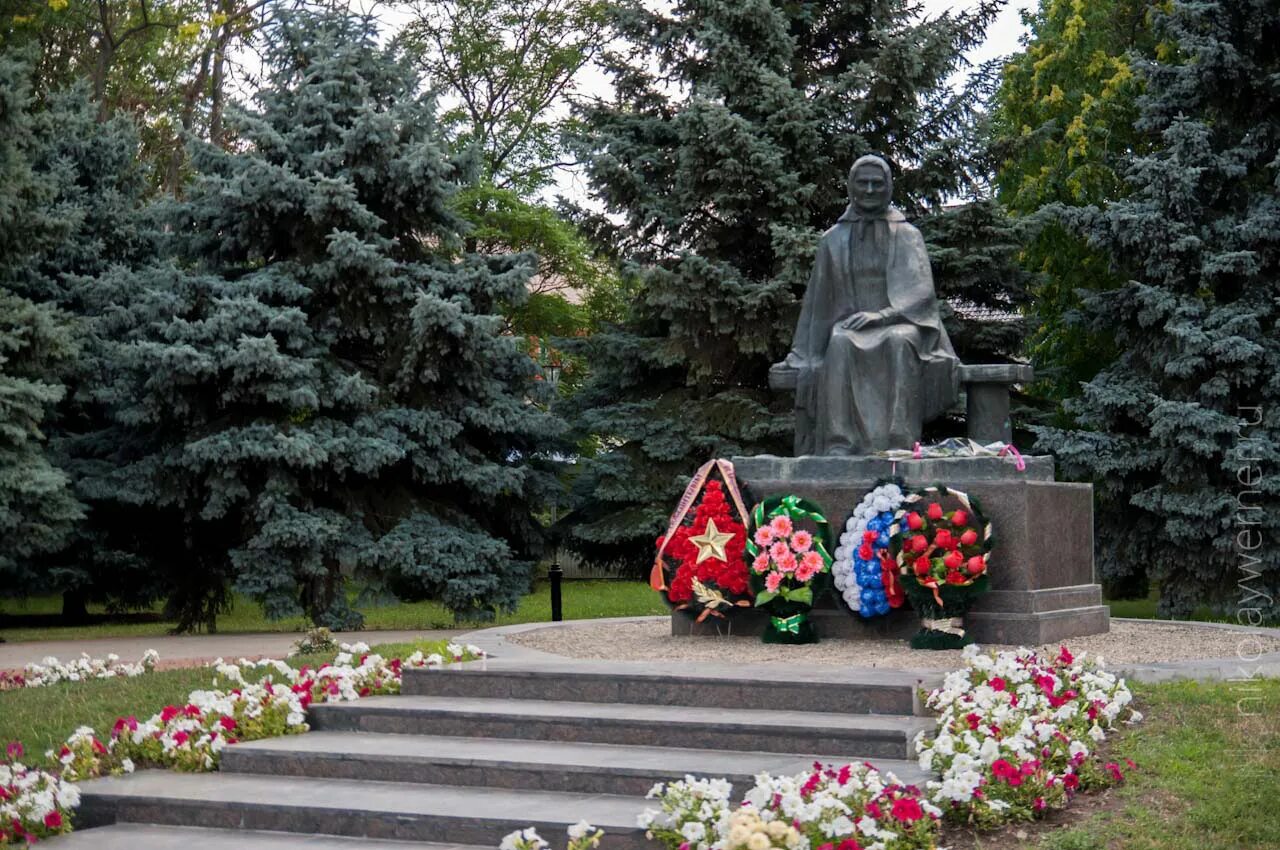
703	568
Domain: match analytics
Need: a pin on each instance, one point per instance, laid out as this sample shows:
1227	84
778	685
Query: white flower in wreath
886	497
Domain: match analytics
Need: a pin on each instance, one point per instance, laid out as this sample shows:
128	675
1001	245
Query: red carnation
959	518
914	521
969	538
935	511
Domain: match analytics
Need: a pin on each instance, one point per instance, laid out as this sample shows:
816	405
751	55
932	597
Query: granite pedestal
1043	585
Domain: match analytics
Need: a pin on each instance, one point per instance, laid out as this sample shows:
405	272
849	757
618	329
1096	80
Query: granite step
141	836
848	736
366	810
515	764
830	689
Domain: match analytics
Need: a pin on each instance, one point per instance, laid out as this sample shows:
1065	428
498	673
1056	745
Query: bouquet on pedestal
790	565
942	546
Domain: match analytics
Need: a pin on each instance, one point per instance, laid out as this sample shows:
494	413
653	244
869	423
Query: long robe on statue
870	389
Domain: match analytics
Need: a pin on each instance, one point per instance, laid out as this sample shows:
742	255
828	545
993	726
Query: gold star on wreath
711	543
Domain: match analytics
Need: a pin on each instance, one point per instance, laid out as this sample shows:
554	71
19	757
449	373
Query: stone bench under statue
870	364
987	389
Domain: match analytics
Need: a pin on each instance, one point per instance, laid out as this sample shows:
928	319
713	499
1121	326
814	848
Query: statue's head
870	184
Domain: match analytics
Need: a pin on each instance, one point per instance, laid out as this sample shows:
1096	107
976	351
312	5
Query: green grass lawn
42	718
582	600
1208	774
1145	609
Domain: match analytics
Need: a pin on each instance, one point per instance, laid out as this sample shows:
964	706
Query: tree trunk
75	607
216	94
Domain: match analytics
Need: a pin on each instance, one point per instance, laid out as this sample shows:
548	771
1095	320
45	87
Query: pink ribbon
1018	462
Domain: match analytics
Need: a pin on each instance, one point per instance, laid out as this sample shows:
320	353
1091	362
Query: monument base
1043	587
829	621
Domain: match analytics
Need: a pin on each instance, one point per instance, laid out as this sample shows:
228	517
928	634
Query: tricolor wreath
865	571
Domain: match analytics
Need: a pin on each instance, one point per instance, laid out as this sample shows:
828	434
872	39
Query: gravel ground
1126	643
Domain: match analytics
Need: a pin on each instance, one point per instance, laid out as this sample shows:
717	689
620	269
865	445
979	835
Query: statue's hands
858	321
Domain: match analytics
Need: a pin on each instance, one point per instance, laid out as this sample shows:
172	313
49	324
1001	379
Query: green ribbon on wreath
789	624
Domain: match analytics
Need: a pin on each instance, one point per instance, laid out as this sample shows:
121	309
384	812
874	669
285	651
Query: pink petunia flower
801	542
764	535
761	563
772	582
781	526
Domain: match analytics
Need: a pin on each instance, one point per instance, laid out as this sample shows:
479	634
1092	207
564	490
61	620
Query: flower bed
50	671
241	706
846	808
34	803
1017	734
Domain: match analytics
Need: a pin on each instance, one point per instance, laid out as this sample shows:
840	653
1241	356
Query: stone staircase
470	753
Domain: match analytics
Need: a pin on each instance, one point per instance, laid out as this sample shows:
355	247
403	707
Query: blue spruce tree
98	191
314	387
1181	434
722	157
38	510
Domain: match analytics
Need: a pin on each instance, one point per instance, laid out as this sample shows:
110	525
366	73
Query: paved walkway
192	649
